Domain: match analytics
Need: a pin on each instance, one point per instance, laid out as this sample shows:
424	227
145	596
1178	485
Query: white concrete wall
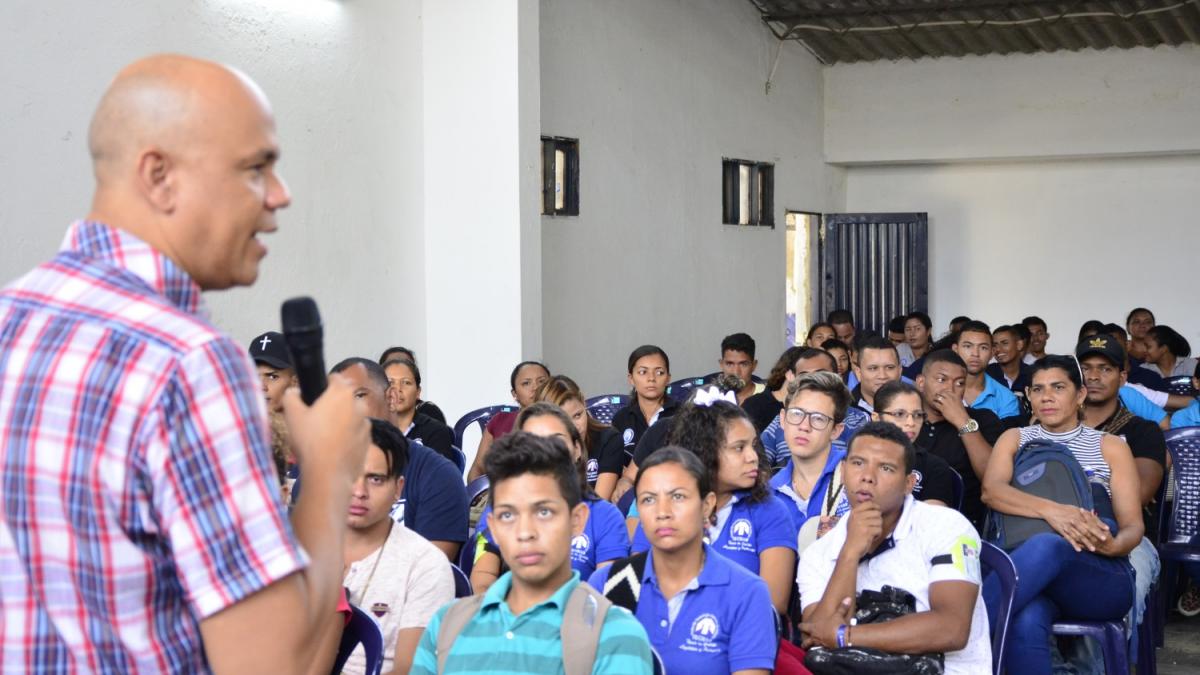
1065	104
1066	240
345	82
657	92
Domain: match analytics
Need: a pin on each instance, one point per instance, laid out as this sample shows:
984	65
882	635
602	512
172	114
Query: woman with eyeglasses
900	404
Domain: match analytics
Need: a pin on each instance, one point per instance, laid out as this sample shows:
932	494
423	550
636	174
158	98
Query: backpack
1044	469
583	619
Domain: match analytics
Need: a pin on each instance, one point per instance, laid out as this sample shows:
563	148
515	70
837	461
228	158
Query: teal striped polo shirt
497	642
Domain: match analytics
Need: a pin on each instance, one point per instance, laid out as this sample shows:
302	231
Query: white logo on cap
265	341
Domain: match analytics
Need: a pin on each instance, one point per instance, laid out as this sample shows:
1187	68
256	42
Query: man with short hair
973	344
144	530
273	362
434	500
392	572
843	325
1037	338
813	410
737	359
960	435
890	539
1010	369
878	363
774	439
519	624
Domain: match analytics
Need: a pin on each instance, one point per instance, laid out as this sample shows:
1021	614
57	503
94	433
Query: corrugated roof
844	31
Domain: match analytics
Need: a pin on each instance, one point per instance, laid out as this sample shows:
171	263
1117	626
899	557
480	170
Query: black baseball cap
269	348
1103	344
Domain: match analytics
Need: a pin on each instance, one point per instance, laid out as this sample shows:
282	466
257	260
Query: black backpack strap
624	585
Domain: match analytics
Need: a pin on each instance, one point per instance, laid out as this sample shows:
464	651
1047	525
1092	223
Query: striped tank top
1084	443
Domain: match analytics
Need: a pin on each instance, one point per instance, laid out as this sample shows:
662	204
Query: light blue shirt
1188	417
997	398
1140	405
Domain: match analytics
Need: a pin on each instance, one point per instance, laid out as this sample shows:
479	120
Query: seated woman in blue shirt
703	613
604	537
749	525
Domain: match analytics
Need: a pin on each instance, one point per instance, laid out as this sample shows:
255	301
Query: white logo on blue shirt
705	628
628	437
580	542
741	529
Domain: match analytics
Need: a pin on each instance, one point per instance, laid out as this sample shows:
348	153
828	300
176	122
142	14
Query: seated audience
810	483
878	364
1168	353
520	624
897	337
891	539
900	404
1138	322
841	356
1081	570
601	443
434	500
1089	328
1037	338
765	406
723	611
956	324
603	537
1010	369
819	333
1142	401
424	407
404	391
843	325
960	435
737	359
918	330
751	526
526	378
973	344
1142	378
1189	416
392	573
650	375
273	362
774	440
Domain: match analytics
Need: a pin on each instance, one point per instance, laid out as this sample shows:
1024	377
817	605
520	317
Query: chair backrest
462	584
1184	446
625	502
992	558
602	408
476	499
1180	384
459	458
480	417
956	478
681	389
362	630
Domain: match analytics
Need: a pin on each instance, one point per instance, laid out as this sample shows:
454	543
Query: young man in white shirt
392	573
890	539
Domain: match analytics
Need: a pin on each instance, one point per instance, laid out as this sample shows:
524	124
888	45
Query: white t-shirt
932	544
411	582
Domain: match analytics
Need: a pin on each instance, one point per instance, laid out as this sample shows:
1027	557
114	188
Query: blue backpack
1044	469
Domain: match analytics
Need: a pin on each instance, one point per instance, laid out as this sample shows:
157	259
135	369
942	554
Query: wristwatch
969	428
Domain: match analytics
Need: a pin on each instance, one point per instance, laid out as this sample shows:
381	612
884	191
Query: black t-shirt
605	454
942	439
654	438
935	479
630	424
434	435
430	410
762	408
1146	441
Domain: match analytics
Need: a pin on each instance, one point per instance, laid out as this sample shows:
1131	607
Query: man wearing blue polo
973	345
813	411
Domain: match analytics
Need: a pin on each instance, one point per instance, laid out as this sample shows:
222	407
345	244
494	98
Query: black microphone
304	337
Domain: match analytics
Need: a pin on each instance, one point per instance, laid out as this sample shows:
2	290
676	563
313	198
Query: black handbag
875	607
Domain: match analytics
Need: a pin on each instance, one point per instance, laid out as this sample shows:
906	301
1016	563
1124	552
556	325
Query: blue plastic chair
362	630
958	489
1180	384
602	408
480	417
1110	635
476	491
1179	527
993	559
462	584
460	458
679	390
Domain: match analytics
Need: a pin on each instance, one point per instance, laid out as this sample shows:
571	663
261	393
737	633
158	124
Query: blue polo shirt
726	621
604	537
801	509
1187	417
775	442
997	398
434	503
749	529
1139	405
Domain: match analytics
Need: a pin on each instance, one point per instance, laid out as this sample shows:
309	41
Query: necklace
374	566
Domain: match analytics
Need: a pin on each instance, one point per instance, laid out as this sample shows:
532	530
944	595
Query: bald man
142	528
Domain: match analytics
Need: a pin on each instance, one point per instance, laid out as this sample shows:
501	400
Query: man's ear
155	179
954	347
399	489
841	426
579	516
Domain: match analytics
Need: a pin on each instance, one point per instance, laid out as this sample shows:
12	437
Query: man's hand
863	531
332	435
821	631
952	409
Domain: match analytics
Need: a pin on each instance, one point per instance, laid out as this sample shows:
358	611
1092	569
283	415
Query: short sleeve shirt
605	454
434	504
1140	405
942	439
432	434
997	398
930	544
1188	417
725	624
630	424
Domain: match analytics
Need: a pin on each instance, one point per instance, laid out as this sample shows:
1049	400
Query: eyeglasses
901	415
816	420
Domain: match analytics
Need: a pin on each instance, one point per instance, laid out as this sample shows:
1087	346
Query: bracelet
841	636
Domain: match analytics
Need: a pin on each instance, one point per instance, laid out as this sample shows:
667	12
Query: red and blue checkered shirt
138	494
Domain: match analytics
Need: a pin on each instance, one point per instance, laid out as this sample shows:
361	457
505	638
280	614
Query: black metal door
874	264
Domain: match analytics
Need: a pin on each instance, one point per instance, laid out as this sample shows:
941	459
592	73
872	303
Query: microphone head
300	314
